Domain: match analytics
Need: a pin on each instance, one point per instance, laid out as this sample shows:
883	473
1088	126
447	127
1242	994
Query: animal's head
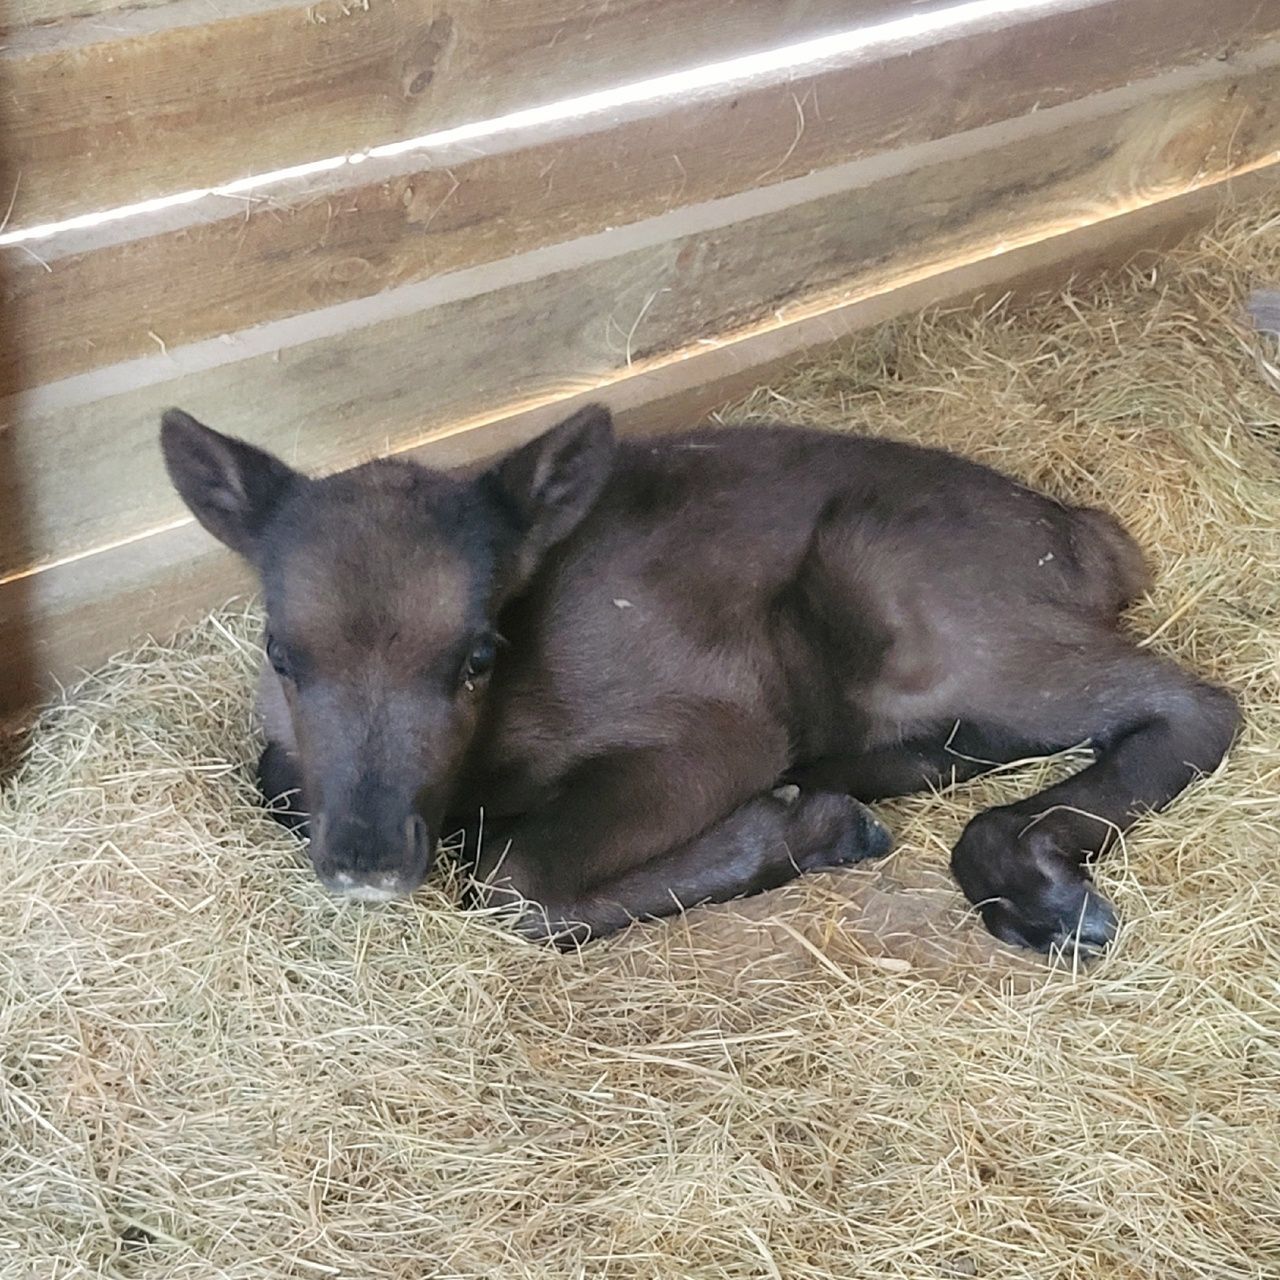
383	586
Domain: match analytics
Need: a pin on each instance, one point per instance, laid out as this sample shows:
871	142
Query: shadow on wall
19	676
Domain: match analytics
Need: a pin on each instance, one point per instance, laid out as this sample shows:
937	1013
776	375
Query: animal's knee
537	910
1223	719
986	857
1220	720
280	784
550	925
1205	720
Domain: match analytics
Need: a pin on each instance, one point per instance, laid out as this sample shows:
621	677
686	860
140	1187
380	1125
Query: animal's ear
231	487
552	482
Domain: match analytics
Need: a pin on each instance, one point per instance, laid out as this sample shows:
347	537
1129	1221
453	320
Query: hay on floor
212	1069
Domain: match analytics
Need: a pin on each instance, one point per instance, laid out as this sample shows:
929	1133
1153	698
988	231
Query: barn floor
213	1070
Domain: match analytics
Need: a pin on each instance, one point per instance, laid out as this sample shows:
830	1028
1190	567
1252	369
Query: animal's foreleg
652	831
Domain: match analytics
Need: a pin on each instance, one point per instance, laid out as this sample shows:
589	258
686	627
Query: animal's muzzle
371	863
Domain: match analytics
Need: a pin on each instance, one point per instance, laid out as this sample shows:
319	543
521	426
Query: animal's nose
355	860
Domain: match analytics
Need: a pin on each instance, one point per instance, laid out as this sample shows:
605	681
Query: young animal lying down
647	675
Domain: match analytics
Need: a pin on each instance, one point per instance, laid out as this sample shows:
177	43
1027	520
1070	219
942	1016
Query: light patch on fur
387	888
371	894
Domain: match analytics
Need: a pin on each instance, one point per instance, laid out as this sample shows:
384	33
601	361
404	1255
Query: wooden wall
451	299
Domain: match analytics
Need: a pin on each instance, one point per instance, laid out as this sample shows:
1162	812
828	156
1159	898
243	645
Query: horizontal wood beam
86	299
446	309
113	16
54	623
100	112
379	374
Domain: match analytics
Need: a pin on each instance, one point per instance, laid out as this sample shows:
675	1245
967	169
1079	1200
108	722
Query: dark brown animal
647	675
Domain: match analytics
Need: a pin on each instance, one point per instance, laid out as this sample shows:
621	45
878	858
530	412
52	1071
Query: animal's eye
480	660
278	658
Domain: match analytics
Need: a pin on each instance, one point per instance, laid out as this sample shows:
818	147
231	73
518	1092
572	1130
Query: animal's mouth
385	888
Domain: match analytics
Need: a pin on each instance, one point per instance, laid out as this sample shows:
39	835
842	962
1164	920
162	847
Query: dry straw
213	1070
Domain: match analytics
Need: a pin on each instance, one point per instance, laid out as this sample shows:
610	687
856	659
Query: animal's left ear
551	483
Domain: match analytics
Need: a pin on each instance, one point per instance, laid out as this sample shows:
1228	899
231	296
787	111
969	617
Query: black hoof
834	830
1030	893
1086	925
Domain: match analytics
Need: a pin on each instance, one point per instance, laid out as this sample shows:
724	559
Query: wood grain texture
95	302
20	15
88	473
56	623
101	118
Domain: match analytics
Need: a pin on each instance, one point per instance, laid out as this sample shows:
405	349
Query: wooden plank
84	470
100	115
15	15
56	623
19	15
91	299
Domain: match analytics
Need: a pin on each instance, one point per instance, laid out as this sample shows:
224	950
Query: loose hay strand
212	1069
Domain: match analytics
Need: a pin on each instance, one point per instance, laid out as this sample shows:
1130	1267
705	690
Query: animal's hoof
834	830
1029	893
1086	928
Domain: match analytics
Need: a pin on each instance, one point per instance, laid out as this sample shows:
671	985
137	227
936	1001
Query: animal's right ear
231	487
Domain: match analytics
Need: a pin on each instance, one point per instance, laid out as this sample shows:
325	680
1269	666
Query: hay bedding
213	1070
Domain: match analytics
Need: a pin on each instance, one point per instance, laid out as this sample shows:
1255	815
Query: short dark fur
714	650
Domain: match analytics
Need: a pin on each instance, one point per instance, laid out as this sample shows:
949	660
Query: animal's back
729	514
694	584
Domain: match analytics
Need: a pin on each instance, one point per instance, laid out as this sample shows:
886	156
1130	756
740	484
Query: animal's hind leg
921	764
1154	728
